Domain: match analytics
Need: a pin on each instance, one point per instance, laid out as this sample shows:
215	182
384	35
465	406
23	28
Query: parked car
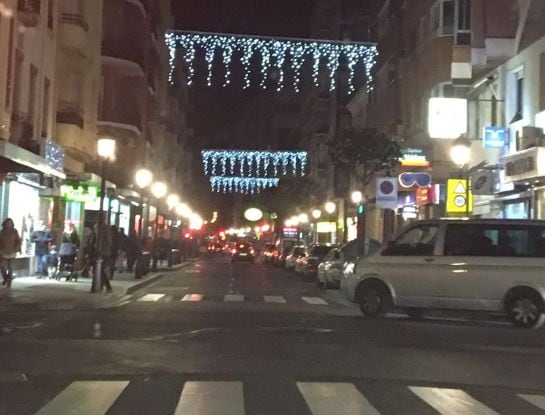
295	253
307	266
330	270
243	252
268	251
485	265
283	249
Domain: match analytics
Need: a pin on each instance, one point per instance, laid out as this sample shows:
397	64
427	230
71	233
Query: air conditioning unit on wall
528	137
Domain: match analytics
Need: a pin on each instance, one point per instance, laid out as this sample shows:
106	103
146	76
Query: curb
148	281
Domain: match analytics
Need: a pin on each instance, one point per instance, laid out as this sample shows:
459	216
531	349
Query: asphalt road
222	338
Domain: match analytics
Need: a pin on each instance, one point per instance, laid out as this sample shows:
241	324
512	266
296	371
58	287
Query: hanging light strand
364	54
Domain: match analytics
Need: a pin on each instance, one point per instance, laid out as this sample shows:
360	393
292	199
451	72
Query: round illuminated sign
253	214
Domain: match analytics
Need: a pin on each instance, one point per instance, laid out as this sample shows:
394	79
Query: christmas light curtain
247	185
254	163
274	53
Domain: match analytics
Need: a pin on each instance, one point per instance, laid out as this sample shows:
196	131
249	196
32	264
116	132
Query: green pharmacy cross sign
79	193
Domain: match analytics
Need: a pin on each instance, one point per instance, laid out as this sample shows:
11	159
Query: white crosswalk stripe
335	398
85	398
228	398
451	401
211	398
536	400
278	299
192	297
314	300
233	298
151	297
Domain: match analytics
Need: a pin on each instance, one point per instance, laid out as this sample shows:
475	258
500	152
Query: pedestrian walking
104	250
123	242
10	246
41	238
88	243
70	235
132	250
114	253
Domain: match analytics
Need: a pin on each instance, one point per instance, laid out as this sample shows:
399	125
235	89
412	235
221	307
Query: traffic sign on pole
457	197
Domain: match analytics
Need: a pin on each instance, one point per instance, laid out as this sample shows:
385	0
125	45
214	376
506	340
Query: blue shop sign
495	137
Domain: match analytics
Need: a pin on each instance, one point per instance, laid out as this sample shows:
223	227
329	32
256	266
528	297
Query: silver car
330	271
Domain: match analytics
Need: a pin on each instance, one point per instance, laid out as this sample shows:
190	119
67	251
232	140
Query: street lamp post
143	179
159	190
106	152
460	153
330	208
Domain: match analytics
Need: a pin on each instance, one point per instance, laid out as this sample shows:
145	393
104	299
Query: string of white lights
274	53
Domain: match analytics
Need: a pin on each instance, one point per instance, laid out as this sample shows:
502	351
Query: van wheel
374	299
415	313
525	308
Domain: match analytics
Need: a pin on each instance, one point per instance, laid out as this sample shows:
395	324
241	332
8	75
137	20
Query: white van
486	265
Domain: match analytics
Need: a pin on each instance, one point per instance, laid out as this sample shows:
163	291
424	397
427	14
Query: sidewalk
32	293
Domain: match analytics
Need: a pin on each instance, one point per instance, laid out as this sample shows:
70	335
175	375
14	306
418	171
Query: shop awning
14	159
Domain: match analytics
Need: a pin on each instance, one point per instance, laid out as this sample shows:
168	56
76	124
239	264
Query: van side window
417	241
495	240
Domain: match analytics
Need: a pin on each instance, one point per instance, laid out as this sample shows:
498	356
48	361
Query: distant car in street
330	270
268	251
243	252
215	248
307	266
479	265
294	254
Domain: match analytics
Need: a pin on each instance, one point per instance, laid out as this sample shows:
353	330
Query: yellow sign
326	227
457	196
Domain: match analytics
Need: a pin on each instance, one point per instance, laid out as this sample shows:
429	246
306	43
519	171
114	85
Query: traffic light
361	209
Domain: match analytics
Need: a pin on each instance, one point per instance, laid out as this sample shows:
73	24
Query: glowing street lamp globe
460	152
106	148
330	207
159	190
183	210
357	197
143	178
316	213
172	201
303	218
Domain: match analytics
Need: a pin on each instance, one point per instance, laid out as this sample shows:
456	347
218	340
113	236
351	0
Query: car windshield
320	251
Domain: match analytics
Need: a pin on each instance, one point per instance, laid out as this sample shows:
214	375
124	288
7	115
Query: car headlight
349	269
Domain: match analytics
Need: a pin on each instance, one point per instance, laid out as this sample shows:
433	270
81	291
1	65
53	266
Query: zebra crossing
241	397
196	297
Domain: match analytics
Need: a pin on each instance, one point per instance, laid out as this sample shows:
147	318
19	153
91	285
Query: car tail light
251	251
234	251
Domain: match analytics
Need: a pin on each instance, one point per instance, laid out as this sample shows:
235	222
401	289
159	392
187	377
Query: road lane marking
85	398
335	398
536	400
211	398
278	299
192	297
314	300
151	297
448	401
233	298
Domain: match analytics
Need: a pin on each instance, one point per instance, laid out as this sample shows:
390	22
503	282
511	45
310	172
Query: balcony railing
70	114
29	12
75	19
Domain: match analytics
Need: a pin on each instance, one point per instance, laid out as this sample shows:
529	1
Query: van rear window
495	240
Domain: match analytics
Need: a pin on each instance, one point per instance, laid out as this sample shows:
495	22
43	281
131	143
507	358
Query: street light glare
172	201
159	190
316	213
303	218
460	154
330	207
183	210
106	148
357	197
143	178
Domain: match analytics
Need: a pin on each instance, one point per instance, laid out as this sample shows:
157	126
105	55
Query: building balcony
73	33
126	55
124	123
29	12
69	114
